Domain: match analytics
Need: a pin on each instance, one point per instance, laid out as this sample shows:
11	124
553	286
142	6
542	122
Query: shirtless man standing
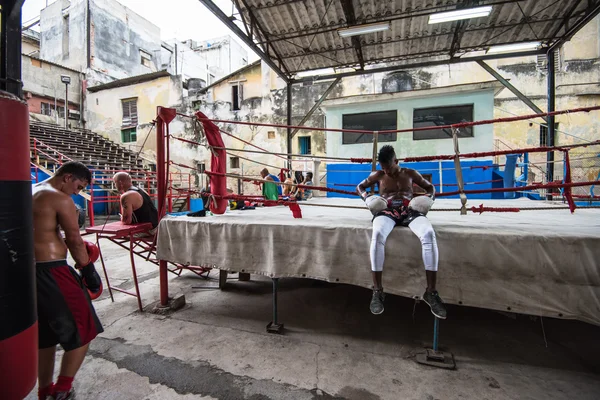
65	311
395	206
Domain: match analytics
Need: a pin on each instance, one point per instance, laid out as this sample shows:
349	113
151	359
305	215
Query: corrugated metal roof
303	33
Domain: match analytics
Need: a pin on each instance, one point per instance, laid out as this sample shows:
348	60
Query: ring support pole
274	326
434	357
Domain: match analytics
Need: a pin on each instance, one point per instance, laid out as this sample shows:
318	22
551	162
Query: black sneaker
377	301
70	395
435	303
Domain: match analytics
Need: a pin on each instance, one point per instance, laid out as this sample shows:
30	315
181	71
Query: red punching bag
18	311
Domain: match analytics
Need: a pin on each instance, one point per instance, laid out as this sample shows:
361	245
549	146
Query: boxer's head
387	159
264	173
122	181
72	177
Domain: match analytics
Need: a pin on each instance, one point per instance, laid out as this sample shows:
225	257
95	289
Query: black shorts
65	312
399	212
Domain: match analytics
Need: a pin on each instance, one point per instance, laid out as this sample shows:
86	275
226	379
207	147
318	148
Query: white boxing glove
376	204
421	204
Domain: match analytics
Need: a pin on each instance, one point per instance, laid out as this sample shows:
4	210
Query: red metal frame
124	236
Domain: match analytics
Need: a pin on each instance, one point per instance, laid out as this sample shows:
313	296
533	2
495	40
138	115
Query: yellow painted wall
105	113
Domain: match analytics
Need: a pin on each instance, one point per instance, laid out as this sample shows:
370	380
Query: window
128	135
46	109
130	117
436	116
304	144
375	121
145	59
200	167
544	134
237	95
61	111
234	162
271	134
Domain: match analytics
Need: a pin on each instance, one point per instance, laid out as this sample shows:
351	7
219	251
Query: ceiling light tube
363	29
514	47
456	15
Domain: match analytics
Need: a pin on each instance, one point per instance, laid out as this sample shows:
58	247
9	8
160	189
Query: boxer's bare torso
53	210
395	183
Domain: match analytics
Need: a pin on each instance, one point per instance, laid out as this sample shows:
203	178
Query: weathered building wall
264	100
223	55
136	37
64	34
42	84
190	64
118	39
105	112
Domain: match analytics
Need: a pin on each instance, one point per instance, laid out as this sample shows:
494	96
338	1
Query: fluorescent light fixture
505	48
363	29
460	14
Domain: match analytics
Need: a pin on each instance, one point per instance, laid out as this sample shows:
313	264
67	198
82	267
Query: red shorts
65	312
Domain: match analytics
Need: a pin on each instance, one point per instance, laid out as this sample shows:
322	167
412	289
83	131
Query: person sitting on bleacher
136	205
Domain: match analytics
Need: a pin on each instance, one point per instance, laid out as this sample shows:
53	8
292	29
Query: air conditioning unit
542	61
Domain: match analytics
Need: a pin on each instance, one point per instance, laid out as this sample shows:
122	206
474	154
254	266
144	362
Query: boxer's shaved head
122	181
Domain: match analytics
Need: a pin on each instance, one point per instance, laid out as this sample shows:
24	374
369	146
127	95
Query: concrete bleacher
81	145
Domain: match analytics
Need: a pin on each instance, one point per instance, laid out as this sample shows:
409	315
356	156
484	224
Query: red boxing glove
92	250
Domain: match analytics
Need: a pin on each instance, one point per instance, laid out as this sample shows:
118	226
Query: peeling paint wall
119	36
264	100
105	113
63	33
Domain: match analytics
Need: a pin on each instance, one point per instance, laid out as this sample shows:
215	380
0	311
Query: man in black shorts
65	312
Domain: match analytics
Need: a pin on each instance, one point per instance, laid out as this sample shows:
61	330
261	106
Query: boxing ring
500	261
523	256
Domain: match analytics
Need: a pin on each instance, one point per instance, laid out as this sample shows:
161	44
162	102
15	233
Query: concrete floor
333	348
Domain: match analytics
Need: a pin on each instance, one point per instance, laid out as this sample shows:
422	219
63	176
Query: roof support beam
455	60
247	40
316	106
412	14
351	20
510	87
254	22
593	10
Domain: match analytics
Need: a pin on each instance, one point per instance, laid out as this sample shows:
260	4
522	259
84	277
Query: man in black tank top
136	205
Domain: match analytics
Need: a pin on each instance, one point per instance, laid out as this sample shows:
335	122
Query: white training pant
382	226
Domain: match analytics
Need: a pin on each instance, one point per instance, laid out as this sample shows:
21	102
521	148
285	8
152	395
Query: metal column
550	122
289	122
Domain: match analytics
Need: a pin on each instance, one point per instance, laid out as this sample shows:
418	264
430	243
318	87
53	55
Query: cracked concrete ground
217	347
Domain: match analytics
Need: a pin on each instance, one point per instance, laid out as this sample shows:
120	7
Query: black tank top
147	212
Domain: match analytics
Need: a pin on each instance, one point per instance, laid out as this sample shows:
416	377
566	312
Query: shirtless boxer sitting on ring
65	312
396	206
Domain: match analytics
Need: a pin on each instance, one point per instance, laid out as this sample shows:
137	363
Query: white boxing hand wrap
421	204
376	204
